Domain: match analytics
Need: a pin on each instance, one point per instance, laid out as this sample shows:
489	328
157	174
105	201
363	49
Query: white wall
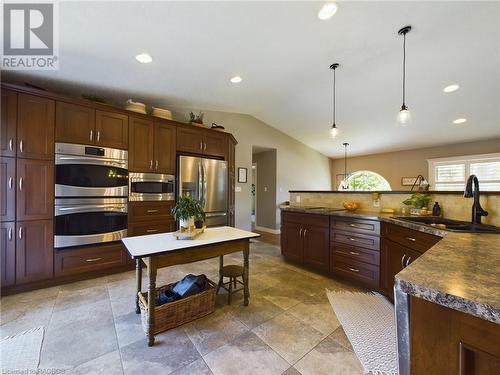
298	166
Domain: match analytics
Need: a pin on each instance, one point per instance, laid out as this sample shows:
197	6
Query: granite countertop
460	272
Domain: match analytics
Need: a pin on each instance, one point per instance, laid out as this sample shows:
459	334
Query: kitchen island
457	274
163	250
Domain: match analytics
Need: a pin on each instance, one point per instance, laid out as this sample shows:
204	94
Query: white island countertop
154	244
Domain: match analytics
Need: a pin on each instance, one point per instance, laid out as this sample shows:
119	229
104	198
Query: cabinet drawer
150	227
356	253
410	238
357	226
306	219
147	211
359	272
80	260
370	242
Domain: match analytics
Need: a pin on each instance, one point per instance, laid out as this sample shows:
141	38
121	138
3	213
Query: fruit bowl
351	206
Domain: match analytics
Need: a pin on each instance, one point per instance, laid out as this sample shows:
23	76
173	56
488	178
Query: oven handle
62	159
93	208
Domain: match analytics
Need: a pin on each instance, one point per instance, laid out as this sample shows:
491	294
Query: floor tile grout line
114	328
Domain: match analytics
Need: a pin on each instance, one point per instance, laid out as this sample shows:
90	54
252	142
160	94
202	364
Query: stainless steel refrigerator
206	181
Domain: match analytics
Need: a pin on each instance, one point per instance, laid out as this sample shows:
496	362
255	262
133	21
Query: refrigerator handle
204	184
200	182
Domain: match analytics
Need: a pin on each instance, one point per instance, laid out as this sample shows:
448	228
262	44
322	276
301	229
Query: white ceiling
283	52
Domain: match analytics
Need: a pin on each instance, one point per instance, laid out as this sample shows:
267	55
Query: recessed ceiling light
451	88
459	121
236	79
327	11
144	58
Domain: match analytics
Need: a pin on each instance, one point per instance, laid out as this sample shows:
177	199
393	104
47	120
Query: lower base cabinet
142	228
87	259
446	341
8	253
34	250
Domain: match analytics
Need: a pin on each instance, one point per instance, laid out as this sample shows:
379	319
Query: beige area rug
369	323
21	351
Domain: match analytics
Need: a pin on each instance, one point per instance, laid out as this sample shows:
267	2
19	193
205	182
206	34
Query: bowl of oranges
351	206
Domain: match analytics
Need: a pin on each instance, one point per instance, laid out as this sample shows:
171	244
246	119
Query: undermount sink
451	225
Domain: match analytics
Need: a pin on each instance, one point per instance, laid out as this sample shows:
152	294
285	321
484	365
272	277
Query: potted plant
418	201
196	119
185	211
199	217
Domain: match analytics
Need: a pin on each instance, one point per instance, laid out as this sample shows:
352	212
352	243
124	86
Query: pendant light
333	130
404	116
344	183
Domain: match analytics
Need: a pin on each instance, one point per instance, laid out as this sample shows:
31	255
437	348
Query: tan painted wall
298	166
266	189
394	165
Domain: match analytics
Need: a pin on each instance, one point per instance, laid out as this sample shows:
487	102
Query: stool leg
230	291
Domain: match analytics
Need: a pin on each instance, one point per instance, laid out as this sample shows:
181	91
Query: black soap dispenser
436	210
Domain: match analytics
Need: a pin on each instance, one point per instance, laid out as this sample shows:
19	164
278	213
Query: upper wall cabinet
8	141
111	129
74	123
200	141
35	127
152	146
84	125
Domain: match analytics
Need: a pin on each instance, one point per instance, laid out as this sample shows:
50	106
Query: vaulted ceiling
283	51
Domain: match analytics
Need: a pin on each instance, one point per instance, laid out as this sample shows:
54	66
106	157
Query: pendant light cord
334	103
404	69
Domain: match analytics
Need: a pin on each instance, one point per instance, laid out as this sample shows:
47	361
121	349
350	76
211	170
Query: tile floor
288	328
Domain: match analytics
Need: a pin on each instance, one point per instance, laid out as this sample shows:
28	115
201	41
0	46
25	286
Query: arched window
366	181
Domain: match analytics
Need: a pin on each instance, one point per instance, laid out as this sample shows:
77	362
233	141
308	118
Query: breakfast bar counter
163	250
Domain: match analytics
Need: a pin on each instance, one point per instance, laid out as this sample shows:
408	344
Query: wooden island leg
246	253
138	279
152	265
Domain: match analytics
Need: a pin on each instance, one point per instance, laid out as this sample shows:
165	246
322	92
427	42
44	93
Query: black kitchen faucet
477	210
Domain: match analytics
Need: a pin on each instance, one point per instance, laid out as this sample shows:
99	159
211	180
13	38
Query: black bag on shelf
190	285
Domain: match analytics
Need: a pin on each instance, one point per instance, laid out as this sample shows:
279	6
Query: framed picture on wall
242	175
408	181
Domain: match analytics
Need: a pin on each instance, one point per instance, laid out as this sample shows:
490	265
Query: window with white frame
452	173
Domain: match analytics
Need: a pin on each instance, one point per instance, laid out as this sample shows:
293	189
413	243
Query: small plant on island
187	211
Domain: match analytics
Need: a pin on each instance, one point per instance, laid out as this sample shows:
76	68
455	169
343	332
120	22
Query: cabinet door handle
204	146
353	225
11	144
20	233
201	145
353	253
10	234
92	260
353	269
98	135
305	233
11	181
151	164
151	211
151	230
403	258
91	136
21	183
410	239
156	164
352	239
21	145
300	232
408	260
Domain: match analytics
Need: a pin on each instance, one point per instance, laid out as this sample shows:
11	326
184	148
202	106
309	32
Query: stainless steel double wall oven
91	189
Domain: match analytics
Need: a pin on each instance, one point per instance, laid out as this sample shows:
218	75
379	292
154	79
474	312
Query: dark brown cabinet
88	259
34	250
141	146
305	239
74	123
8	140
152	146
111	129
35	192
8	189
142	228
164	146
316	247
8	253
35	127
201	141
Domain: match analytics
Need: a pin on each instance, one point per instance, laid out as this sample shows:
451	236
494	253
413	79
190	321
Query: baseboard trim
268	230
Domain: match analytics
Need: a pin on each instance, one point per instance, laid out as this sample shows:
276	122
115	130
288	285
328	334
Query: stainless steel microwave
151	187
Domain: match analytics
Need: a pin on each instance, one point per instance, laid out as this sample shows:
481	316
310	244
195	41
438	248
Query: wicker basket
174	314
